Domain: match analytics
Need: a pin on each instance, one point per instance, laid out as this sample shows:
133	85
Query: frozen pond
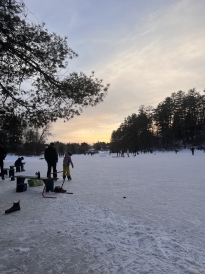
142	214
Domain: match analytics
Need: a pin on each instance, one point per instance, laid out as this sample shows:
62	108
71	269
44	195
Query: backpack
58	189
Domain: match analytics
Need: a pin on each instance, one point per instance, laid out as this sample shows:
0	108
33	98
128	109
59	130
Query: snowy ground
143	214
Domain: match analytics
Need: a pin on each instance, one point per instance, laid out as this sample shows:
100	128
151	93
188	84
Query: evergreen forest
177	122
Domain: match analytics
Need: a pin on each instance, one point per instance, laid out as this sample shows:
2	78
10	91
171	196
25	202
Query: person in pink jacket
67	161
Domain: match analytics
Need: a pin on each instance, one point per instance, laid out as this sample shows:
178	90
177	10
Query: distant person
128	155
2	157
20	163
192	150
67	161
51	157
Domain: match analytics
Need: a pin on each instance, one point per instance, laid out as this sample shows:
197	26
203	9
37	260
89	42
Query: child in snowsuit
67	161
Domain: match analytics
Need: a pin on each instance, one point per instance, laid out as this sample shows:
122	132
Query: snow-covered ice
143	214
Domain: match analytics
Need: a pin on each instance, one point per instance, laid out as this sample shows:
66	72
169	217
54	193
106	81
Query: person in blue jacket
20	163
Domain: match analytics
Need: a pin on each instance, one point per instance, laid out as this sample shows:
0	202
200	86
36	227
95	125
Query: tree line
30	141
178	121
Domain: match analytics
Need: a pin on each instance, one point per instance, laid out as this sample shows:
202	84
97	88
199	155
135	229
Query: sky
145	50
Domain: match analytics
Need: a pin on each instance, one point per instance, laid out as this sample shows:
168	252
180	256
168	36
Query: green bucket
35	182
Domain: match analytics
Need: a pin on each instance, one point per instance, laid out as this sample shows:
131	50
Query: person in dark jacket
51	157
2	157
192	150
20	163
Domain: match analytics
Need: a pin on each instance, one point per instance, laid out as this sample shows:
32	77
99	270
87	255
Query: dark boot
15	207
69	178
64	177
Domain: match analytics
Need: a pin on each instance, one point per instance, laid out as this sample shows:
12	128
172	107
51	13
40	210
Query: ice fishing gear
49	186
59	189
